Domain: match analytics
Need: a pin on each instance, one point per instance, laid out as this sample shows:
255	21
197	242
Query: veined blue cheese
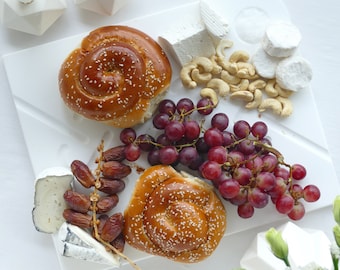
76	243
187	42
49	202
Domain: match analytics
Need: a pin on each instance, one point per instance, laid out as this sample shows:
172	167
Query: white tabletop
22	247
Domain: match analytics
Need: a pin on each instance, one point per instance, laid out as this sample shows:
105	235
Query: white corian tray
55	136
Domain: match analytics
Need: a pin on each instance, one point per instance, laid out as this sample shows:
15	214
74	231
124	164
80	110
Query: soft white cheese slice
187	42
216	25
76	243
265	64
294	73
49	202
281	39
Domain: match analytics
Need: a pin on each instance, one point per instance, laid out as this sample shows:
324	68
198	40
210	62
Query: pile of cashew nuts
237	78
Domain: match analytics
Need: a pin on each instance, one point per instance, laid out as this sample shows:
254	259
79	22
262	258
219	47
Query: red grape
220	121
297	212
168	155
259	129
257	198
175	130
245	210
205	106
298	171
185	105
167	106
127	135
132	152
210	170
241	129
218	154
229	188
311	193
213	137
284	204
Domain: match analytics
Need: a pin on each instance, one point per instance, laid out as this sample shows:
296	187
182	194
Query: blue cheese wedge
294	73
76	243
216	25
281	39
186	42
49	202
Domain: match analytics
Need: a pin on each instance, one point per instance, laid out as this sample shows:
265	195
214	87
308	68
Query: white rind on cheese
265	64
216	25
281	39
294	73
49	202
76	243
187	42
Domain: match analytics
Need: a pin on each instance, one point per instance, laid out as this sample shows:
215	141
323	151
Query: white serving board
55	136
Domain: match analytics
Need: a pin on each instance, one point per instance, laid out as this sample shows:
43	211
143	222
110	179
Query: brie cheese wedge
49	203
76	243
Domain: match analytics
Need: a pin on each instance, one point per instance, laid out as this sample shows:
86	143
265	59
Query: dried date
119	242
113	227
106	204
76	201
116	153
83	173
115	170
111	186
78	219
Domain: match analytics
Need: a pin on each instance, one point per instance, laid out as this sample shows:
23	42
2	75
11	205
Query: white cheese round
265	64
281	39
49	202
294	73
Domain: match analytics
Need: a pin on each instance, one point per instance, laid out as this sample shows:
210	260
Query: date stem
94	197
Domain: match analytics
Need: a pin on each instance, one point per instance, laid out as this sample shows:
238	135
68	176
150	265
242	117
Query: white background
21	247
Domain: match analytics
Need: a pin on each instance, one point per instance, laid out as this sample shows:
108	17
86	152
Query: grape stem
94	196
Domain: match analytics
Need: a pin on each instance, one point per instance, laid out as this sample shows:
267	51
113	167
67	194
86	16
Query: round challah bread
116	76
174	215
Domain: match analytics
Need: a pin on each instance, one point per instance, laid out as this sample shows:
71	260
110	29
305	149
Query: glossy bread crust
175	216
115	76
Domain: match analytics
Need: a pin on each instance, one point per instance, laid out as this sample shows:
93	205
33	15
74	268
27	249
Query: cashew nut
185	75
216	67
228	66
231	79
270	103
220	86
282	92
245	73
247	66
209	93
257	84
256	101
222	45
204	64
243	85
270	90
287	106
200	78
239	56
243	95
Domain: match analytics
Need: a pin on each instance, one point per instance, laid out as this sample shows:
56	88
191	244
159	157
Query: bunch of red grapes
240	162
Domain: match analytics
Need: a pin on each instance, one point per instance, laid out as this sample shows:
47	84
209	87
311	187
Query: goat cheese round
281	39
265	64
294	73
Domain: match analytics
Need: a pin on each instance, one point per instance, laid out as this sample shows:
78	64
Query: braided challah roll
173	215
117	76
